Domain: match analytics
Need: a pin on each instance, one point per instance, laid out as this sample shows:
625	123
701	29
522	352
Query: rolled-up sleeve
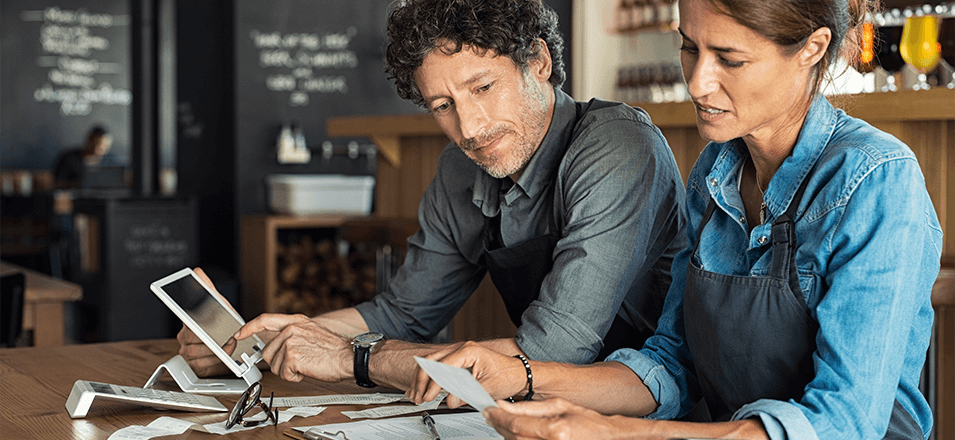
782	420
664	363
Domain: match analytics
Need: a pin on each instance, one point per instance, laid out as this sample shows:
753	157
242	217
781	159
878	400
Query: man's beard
519	154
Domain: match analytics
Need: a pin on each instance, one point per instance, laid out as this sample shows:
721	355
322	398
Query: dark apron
518	273
751	337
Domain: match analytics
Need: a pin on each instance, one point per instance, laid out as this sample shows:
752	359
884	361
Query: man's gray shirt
618	200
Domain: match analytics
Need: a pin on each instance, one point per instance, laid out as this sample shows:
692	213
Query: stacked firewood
320	276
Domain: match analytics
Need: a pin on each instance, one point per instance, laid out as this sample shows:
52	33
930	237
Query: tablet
207	314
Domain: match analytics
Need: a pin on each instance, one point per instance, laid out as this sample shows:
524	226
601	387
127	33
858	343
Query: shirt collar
813	137
540	170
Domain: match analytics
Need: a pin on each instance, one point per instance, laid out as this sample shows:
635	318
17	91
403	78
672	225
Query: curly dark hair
506	27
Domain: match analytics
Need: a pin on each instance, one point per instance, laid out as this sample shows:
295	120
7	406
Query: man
575	209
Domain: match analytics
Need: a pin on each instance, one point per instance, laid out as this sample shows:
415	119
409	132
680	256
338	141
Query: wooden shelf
385	131
908	105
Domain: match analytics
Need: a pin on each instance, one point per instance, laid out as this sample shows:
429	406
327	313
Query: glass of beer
919	46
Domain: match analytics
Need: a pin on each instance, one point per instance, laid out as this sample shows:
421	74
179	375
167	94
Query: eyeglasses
248	400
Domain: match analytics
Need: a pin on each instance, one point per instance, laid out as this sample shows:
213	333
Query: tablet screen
210	314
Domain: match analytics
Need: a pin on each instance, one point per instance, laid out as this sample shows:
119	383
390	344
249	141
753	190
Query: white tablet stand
190	383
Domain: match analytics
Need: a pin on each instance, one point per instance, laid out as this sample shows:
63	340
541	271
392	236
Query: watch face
369	338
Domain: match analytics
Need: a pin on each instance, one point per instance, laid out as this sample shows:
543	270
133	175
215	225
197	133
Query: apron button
742	219
713	182
762	240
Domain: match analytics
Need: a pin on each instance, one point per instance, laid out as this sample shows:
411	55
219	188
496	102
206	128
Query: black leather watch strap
361	366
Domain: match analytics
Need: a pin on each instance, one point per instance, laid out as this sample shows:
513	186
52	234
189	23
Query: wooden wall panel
387	189
946	210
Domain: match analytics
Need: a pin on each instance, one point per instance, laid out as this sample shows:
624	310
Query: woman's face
743	85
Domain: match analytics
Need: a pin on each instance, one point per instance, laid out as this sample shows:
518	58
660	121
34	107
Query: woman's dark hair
789	23
506	27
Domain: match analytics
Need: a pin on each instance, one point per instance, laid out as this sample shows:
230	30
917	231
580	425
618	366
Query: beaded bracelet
530	377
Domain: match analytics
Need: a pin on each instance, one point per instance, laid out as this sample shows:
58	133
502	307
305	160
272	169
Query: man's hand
501	375
302	347
551	419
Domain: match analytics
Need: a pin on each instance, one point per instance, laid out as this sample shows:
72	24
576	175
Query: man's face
495	113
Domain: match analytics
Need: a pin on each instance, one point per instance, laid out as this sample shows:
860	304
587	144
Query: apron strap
710	207
783	264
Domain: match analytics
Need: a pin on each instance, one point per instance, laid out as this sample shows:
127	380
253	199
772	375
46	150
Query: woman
801	308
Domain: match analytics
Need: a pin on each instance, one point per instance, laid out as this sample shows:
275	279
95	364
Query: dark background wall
64	66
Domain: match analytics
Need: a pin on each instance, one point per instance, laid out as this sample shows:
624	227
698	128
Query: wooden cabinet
260	245
315	264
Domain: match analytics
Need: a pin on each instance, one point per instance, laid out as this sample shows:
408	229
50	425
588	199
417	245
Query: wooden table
36	382
43	301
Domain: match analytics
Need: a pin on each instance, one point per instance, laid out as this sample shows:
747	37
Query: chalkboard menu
64	67
303	61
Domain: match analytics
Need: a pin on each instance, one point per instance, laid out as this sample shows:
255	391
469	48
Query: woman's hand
197	355
501	375
560	419
551	419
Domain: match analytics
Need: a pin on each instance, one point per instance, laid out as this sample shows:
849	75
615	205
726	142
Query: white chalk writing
295	61
74	39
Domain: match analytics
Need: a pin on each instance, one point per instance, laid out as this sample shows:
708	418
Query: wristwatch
363	345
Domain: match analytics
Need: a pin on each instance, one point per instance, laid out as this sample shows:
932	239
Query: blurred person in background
69	170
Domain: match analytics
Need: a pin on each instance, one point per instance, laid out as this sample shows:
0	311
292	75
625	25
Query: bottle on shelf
646	15
664	11
637	14
624	15
653	83
649	13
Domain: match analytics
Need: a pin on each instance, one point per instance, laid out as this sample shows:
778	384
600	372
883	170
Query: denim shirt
869	247
605	177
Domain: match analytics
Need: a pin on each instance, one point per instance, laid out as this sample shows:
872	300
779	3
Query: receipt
388	411
342	399
164	426
459	382
160	427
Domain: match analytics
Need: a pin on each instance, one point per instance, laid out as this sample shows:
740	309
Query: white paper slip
164	426
458	426
389	411
339	399
459	382
160	427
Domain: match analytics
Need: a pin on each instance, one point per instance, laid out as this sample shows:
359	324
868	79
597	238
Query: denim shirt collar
540	171
813	138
